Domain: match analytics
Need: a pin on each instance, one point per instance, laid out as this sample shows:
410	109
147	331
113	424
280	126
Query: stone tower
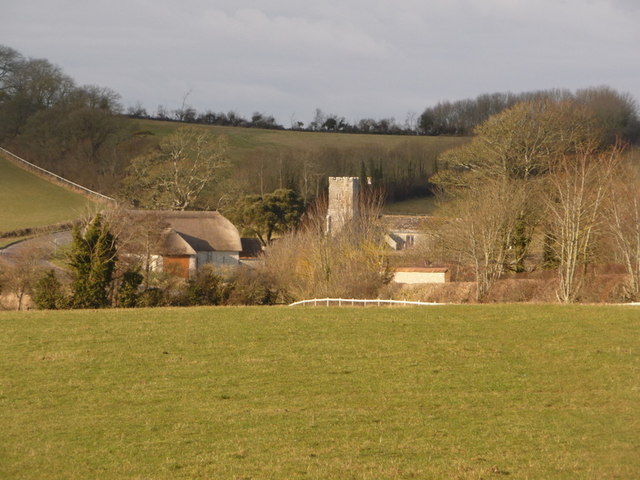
343	202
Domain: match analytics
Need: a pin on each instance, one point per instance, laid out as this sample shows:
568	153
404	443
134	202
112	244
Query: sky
354	58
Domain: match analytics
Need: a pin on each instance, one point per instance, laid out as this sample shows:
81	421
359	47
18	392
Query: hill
467	392
245	140
268	159
29	201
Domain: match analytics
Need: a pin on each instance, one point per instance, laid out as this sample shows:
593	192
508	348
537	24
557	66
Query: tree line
76	131
542	185
617	112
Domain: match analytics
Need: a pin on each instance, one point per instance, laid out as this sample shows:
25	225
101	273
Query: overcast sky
355	58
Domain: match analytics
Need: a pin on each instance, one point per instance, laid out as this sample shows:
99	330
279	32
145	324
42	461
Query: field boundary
352	302
57	178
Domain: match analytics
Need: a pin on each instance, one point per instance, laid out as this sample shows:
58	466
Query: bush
128	290
48	293
255	287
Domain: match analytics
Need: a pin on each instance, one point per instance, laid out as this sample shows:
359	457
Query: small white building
418	275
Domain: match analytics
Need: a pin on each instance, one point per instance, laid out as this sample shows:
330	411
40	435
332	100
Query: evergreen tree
128	290
93	259
47	292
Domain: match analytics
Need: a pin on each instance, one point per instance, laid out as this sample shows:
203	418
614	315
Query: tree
498	182
139	235
21	272
48	293
269	214
579	185
128	295
351	263
175	174
482	226
623	213
519	142
616	112
93	259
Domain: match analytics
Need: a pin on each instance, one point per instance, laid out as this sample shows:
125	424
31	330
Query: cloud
355	58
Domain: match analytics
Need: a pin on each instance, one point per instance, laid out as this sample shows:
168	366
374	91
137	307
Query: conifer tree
93	259
48	293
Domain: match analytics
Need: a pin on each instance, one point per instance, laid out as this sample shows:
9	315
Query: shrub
48	293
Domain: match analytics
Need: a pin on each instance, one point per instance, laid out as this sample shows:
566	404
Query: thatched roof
186	233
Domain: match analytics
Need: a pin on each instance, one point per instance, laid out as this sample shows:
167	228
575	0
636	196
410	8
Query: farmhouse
189	240
404	231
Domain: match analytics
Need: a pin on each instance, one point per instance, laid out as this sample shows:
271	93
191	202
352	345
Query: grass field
30	201
244	141
415	206
466	392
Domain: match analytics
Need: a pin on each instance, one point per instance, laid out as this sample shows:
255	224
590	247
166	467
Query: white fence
57	177
352	302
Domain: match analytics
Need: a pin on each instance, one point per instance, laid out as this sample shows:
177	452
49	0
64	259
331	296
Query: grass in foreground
30	201
277	393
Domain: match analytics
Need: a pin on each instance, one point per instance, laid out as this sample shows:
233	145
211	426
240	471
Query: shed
417	275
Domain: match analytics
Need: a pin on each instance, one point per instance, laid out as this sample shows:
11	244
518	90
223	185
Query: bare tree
623	212
175	175
22	271
481	229
310	263
578	187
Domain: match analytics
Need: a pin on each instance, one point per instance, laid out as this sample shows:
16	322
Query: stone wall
343	202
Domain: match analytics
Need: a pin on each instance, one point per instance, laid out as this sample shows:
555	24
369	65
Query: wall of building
421	276
343	202
218	258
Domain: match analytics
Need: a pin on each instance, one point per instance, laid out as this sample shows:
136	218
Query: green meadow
244	142
31	201
461	392
415	206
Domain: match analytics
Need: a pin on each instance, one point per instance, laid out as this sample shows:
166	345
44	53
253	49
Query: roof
186	233
404	223
423	269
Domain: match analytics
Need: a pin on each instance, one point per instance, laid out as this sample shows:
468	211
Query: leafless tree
175	175
623	212
480	230
578	187
353	262
21	273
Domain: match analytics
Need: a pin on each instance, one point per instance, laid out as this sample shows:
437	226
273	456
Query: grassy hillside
30	201
268	159
441	392
244	141
415	206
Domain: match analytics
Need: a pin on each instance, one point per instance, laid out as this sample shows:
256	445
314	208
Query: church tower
343	202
